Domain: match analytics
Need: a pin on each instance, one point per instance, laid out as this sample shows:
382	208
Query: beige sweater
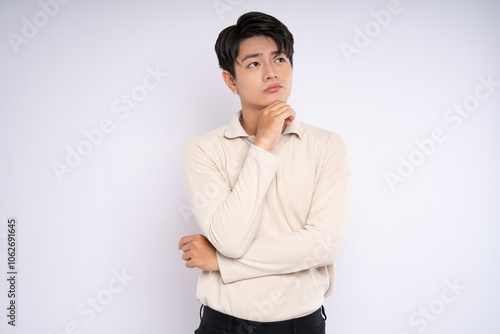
277	219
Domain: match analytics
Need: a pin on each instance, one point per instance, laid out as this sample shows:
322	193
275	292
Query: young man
272	195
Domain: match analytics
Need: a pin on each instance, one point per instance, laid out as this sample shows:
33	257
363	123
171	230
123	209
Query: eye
250	65
282	60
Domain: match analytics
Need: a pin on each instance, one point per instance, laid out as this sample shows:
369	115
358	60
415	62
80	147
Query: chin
278	97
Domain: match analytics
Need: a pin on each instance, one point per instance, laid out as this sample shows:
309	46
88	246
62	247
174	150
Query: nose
270	71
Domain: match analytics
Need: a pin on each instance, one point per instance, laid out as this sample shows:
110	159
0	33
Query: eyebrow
255	55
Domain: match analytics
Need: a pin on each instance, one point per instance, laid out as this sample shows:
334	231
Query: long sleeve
320	239
229	218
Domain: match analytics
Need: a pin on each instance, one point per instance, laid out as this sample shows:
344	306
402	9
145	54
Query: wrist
261	145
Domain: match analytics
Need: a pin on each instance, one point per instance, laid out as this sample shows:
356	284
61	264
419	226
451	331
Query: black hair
249	25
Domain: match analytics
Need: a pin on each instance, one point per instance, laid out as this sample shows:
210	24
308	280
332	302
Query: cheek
287	75
246	86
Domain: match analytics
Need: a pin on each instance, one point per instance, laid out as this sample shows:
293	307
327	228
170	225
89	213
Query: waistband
229	323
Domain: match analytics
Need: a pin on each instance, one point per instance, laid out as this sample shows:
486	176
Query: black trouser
214	322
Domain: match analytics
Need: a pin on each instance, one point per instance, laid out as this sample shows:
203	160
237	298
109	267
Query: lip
272	88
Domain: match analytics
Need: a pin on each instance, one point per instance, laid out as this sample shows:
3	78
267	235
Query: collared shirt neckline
235	130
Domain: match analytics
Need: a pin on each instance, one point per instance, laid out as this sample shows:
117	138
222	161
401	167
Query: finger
281	108
186	256
273	106
189	264
187	247
181	243
285	113
184	240
291	117
278	109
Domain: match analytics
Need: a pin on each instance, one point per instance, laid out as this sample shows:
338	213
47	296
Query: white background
122	209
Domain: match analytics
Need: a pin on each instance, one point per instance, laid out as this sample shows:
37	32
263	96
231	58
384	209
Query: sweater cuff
224	268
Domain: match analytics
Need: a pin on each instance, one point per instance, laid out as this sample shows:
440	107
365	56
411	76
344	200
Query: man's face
257	67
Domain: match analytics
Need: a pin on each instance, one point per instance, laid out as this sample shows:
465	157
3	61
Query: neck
249	121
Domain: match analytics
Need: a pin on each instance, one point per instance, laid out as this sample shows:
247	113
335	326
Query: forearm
293	252
229	218
317	243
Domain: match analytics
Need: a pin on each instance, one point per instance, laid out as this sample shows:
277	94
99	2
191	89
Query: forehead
256	44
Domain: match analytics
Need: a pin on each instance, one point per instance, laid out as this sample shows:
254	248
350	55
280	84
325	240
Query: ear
230	81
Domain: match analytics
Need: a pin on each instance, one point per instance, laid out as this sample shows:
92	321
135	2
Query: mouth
272	88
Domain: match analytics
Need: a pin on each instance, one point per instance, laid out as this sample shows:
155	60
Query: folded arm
317	243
